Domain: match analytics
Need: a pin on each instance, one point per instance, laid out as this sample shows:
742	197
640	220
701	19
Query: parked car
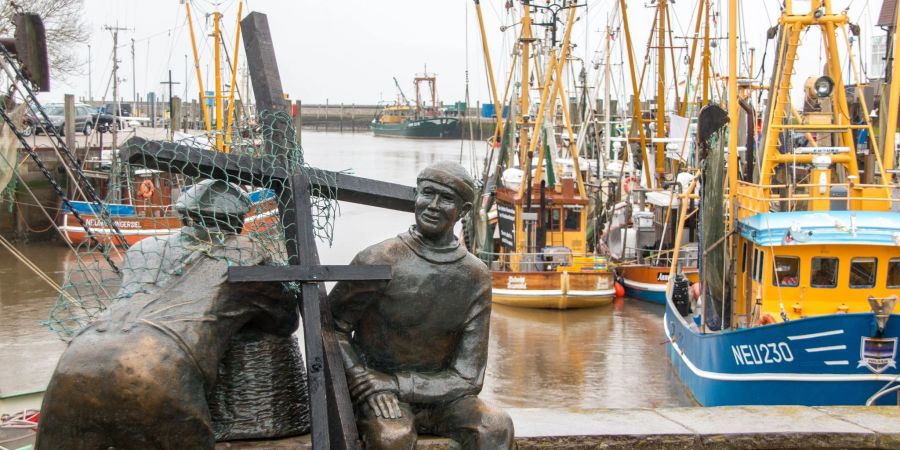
87	119
124	109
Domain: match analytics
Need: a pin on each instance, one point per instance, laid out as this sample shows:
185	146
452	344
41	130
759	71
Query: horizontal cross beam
241	274
243	169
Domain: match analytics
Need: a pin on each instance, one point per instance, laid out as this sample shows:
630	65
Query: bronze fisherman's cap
452	175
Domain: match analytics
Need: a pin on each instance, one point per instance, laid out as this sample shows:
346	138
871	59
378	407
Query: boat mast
234	64
223	121
553	71
487	60
706	54
216	16
115	189
660	155
703	16
638	116
607	126
733	117
525	42
187	6
893	100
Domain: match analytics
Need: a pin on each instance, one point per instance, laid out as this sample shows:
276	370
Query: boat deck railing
754	199
542	261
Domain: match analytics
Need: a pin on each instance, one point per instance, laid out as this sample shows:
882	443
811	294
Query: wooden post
69	117
151	100
298	119
175	116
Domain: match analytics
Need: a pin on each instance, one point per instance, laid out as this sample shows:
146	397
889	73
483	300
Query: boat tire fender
680	295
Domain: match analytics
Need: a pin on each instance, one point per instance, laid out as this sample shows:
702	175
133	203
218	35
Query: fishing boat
799	283
642	245
533	193
143	218
640	232
422	121
139	203
562	275
654	236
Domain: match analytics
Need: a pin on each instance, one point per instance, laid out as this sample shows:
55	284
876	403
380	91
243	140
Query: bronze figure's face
438	207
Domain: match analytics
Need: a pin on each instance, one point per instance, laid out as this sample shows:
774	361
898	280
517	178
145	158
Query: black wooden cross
331	410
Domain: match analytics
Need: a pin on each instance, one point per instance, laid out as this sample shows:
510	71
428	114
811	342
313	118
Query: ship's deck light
823	86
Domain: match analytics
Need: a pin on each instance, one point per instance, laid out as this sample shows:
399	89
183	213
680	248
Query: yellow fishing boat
561	275
534	184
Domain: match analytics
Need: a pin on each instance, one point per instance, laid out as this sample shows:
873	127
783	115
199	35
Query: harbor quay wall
338	117
719	428
21	215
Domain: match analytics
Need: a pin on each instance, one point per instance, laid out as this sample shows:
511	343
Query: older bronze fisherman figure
415	348
139	375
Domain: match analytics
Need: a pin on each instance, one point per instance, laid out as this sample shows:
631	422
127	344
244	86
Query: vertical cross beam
262	64
333	425
328	391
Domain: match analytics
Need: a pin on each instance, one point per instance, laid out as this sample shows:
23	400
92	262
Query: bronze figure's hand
364	384
385	404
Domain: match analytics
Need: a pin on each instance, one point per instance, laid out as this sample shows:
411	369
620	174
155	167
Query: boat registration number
759	354
516	283
97	223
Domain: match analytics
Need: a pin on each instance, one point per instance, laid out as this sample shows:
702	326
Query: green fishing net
158	221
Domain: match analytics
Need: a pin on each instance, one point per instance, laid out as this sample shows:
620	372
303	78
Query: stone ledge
730	427
304	443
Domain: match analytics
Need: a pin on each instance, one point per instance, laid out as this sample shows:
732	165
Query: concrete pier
721	428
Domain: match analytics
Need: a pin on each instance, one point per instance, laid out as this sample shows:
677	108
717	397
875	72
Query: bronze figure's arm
465	375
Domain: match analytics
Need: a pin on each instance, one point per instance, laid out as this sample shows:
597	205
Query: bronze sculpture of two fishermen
414	348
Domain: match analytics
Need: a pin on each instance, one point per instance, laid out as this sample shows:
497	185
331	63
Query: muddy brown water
607	357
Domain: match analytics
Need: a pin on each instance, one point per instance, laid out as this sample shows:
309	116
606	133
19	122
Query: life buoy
627	183
766	319
147	189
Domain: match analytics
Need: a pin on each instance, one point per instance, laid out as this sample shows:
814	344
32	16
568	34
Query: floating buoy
620	291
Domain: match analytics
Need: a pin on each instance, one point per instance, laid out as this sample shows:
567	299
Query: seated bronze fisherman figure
415	348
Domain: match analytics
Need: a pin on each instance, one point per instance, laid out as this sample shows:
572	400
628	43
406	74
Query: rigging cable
68	159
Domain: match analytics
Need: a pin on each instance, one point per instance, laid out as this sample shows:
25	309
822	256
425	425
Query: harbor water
607	357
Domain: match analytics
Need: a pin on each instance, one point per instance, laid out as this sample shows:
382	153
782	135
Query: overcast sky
348	51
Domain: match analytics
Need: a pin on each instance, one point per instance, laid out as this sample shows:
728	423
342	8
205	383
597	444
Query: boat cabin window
745	258
824	273
787	271
862	272
553	218
573	220
893	275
